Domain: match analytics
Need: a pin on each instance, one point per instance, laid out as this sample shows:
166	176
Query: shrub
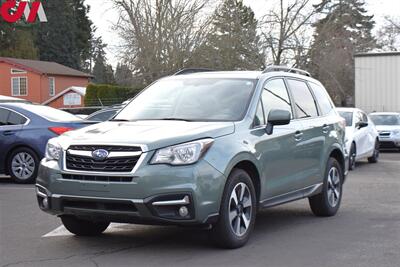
107	95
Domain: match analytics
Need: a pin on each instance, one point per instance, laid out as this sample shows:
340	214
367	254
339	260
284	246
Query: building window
19	86
52	86
72	99
17	71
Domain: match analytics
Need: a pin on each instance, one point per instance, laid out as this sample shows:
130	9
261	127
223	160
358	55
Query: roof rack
286	69
192	70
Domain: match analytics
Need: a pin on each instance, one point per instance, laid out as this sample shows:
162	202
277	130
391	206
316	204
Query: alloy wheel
334	187
23	165
240	209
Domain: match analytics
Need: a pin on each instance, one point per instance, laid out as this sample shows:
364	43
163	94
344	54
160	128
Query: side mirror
361	124
277	117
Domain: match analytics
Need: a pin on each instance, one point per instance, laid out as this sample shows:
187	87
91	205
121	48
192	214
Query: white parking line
114	227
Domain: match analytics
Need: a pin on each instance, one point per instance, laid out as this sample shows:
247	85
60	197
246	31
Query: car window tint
322	98
15	119
102	116
304	101
259	118
4	113
275	96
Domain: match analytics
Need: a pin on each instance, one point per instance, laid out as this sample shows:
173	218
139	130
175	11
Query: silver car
388	126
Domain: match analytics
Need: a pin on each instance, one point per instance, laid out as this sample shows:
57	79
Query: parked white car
362	138
388	126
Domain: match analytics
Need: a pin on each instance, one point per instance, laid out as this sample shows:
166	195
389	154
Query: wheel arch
337	154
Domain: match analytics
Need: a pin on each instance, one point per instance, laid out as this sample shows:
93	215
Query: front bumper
389	142
157	194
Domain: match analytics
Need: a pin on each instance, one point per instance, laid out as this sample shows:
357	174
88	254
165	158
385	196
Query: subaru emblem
100	154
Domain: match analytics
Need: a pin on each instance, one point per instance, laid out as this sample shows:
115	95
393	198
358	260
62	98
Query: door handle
298	135
8	133
325	128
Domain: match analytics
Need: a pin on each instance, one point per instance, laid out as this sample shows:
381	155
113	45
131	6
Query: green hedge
107	95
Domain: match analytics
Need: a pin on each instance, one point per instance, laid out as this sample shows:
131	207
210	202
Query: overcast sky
103	16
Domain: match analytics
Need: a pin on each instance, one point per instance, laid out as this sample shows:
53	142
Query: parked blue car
24	131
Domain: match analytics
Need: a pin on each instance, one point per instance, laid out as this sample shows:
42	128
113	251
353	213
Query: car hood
388	128
149	134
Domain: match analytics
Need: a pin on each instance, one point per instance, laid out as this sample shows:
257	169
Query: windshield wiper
174	119
121	120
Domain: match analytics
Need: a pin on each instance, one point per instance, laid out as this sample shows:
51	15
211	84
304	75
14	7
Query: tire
352	158
327	203
81	227
236	221
375	156
23	165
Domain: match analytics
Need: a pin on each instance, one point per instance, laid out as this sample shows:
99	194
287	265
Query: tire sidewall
35	159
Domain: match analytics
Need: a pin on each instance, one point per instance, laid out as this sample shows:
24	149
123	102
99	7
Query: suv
201	149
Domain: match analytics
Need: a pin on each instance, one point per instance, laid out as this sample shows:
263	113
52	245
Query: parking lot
365	232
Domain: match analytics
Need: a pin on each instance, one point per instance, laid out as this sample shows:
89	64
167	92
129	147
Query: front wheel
327	203
237	212
375	156
81	227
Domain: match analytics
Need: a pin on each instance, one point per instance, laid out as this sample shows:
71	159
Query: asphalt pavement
365	232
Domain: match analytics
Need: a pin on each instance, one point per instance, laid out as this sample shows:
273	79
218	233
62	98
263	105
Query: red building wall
38	84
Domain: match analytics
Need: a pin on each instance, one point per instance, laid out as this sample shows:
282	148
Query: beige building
377	81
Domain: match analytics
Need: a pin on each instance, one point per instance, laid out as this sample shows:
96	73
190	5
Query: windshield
52	114
386	119
348	116
191	99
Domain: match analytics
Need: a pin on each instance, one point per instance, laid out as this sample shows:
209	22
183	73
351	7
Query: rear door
311	139
10	126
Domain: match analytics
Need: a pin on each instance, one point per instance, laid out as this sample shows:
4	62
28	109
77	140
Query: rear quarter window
322	98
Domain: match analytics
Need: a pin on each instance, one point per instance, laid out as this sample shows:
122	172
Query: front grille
108	148
387	144
82	163
113	179
384	134
122	206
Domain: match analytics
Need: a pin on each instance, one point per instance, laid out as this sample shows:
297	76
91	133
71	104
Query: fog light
45	203
183	211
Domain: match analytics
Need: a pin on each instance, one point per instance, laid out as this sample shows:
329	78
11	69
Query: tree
344	31
389	35
65	38
103	73
233	42
285	31
159	36
123	75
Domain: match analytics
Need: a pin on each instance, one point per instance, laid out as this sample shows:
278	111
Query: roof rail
286	69
192	70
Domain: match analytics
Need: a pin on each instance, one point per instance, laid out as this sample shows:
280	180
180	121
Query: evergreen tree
344	31
233	43
102	72
123	75
65	38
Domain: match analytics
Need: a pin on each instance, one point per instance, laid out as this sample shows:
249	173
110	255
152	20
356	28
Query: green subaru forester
203	149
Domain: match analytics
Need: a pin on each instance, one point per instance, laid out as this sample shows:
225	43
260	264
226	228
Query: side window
275	96
4	116
304	101
364	117
322	98
259	118
15	119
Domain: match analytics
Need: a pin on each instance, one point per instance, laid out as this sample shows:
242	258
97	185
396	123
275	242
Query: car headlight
53	150
183	154
396	132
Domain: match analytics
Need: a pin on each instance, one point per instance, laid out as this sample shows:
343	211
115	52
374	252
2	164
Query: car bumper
155	195
389	142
